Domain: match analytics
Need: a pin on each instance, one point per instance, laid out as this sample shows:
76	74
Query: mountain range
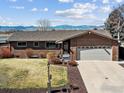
58	27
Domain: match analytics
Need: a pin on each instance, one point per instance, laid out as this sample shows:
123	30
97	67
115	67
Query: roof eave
61	40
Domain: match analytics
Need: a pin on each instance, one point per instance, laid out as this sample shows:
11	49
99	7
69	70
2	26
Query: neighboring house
84	45
3	40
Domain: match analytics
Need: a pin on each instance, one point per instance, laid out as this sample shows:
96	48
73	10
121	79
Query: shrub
29	52
51	55
43	54
5	52
21	54
73	63
53	58
56	61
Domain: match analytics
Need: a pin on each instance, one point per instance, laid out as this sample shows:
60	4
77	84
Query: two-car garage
94	53
94	45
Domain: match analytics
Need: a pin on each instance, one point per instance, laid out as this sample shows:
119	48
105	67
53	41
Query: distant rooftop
4	38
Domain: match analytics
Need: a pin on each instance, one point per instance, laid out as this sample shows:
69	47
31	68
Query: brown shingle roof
51	35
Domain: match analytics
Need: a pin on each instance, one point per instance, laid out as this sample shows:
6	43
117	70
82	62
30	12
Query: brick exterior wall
94	40
91	40
74	54
115	53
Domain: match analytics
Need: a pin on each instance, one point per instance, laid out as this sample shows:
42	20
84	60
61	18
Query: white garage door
95	54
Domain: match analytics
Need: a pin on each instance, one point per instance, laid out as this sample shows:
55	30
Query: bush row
5	52
29	53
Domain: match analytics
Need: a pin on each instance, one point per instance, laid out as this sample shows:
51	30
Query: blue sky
59	12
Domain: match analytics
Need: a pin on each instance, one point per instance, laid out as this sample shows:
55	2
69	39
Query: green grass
30	73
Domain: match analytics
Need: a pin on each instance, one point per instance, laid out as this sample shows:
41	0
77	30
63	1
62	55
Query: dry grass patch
30	73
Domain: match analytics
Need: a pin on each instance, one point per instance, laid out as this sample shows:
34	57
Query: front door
66	46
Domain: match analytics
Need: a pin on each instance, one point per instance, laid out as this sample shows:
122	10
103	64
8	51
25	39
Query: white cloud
94	0
98	21
34	9
58	20
119	1
45	9
85	16
85	21
4	18
12	0
39	10
64	22
18	7
0	17
108	1
106	9
78	11
88	6
105	1
66	1
5	21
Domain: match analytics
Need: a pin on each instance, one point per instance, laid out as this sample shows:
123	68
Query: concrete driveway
102	77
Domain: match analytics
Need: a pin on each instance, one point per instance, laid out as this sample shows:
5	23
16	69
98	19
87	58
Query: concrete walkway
102	77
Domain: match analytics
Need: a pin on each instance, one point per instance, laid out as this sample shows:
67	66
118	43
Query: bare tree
115	23
43	25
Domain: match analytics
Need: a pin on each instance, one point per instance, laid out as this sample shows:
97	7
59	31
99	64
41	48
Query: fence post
49	77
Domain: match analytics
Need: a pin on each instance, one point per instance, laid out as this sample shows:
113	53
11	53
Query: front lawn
30	73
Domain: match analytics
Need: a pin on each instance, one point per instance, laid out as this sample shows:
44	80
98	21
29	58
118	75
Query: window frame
36	42
21	42
48	42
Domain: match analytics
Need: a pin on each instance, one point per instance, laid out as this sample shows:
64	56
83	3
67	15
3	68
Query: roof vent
89	32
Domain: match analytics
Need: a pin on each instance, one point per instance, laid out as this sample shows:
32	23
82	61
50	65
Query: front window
36	44
21	44
51	45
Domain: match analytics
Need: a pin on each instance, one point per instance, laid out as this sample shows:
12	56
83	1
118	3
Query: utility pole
49	77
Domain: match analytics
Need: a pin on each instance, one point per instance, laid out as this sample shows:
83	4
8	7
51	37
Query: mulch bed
75	80
76	84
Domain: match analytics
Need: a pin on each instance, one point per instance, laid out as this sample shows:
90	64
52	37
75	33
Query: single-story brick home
84	45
